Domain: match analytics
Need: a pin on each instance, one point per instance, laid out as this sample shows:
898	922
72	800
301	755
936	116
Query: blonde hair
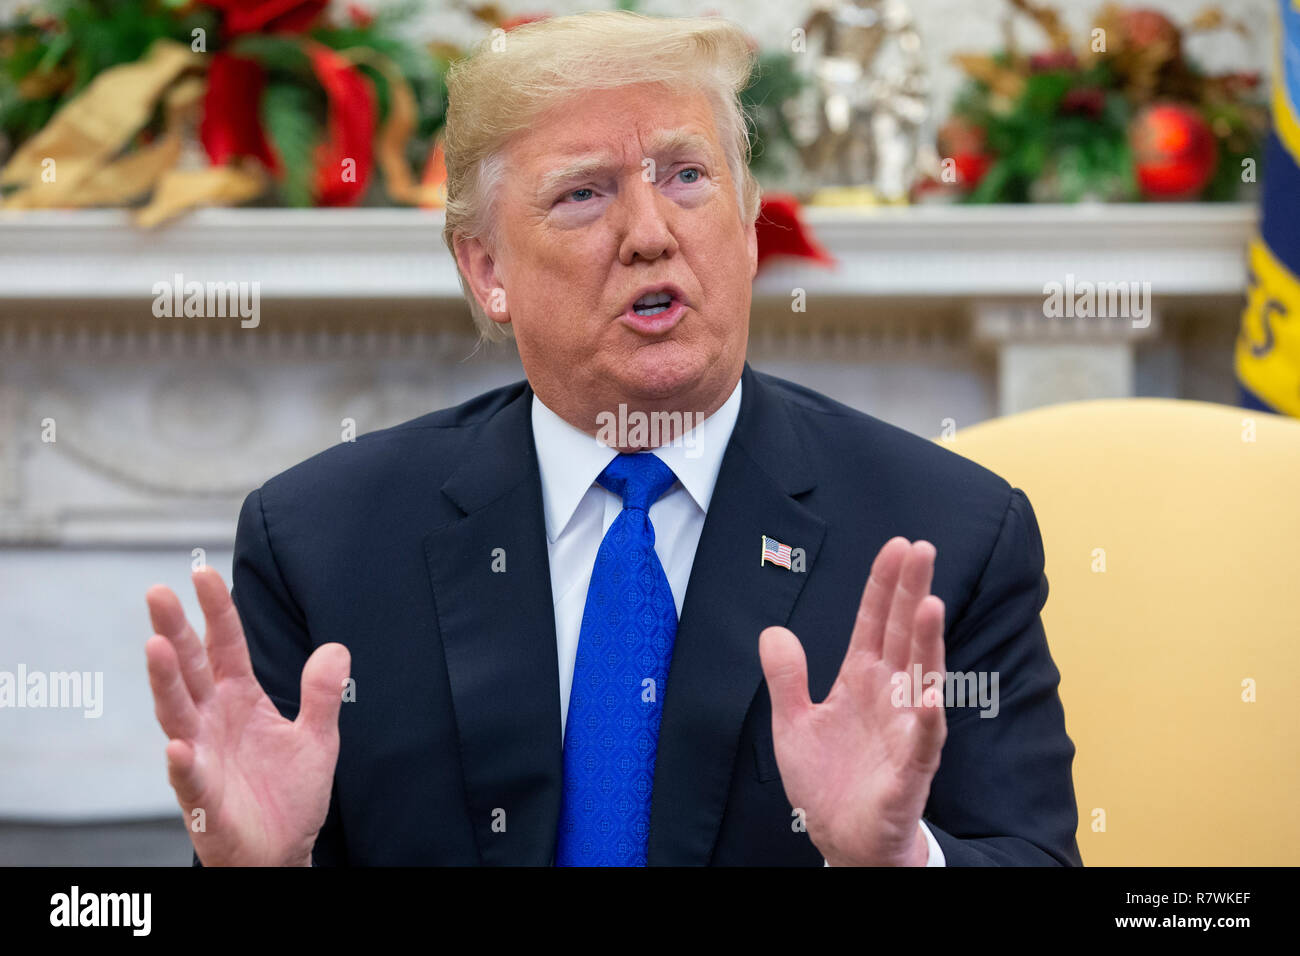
512	78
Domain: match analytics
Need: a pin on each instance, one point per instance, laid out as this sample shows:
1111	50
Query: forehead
616	125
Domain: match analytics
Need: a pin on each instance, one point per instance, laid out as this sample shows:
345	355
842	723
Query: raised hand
857	764
261	782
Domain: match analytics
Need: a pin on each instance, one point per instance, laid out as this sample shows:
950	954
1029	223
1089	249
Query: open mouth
652	304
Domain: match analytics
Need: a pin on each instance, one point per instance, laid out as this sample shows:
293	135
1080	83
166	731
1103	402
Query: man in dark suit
519	632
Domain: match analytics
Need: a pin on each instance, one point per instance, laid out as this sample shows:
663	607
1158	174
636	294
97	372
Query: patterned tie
624	648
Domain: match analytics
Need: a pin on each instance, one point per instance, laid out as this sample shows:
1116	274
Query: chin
660	371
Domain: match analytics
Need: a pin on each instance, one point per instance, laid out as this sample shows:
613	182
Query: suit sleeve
1004	794
279	642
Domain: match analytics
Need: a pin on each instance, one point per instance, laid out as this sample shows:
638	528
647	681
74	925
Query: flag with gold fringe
1268	344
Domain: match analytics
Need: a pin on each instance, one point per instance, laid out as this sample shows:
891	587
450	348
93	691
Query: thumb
322	688
786	671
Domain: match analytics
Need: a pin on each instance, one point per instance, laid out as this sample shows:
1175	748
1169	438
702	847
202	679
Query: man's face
616	192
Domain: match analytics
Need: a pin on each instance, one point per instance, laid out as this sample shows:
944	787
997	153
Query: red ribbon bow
231	125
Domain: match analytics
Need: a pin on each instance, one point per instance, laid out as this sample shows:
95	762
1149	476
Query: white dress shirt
579	511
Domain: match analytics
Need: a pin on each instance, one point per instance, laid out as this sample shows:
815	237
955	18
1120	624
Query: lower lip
655	324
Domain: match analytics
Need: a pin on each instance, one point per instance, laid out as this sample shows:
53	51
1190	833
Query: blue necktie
625	645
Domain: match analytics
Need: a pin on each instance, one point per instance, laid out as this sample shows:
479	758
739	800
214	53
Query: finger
869	627
786	670
168	618
172	704
913	585
322	689
183	773
927	635
227	649
932	724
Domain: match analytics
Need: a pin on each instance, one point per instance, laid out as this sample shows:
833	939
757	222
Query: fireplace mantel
395	254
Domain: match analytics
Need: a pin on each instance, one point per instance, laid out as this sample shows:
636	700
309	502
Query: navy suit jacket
386	545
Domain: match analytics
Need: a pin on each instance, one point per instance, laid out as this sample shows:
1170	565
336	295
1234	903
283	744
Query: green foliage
93	35
1046	149
72	41
1240	143
773	82
293	109
1065	137
102	34
77	40
277	53
21	118
291	117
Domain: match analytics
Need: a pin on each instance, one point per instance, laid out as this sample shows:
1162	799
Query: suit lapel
498	635
730	598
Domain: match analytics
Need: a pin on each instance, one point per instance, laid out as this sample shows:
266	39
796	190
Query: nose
647	232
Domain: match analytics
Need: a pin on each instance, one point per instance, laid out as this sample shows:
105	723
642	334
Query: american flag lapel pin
776	552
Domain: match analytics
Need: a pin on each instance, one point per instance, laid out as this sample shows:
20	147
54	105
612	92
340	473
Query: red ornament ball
1174	152
965	144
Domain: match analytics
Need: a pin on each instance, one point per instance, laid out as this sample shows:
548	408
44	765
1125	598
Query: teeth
651	310
653	299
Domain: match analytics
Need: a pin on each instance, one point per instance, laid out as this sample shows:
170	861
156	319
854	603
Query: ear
480	271
751	247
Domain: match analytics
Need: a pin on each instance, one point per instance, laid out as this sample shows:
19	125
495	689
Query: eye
579	194
693	172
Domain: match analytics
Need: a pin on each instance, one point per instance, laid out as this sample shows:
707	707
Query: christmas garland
101	103
101	99
1122	114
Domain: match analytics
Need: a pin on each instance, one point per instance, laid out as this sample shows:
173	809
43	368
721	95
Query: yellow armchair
1172	535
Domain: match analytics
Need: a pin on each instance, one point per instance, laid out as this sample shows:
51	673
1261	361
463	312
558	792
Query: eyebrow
667	141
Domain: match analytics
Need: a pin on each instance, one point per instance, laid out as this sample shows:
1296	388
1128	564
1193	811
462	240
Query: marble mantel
397	254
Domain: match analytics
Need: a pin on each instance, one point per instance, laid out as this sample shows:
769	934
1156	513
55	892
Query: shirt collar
570	459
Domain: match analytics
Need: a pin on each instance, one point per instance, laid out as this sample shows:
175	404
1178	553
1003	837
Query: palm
254	786
856	764
269	788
